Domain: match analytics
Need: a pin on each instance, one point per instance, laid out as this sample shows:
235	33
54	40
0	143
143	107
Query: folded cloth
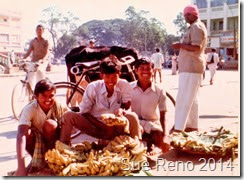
149	126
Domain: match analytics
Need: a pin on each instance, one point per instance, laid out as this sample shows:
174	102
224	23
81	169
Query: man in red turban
191	67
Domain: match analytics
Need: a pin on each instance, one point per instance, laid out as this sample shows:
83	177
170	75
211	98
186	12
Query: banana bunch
82	160
129	151
205	143
97	164
112	120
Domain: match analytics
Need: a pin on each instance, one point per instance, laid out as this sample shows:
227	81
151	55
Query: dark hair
44	85
110	65
143	60
157	50
213	50
40	26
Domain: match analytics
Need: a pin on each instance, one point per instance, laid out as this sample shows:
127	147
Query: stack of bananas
205	143
120	157
112	120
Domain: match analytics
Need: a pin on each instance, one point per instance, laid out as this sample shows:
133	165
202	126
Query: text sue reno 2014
209	164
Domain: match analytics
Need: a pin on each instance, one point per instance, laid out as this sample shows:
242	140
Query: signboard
227	39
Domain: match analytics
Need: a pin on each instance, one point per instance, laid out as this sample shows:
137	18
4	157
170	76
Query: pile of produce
120	157
217	142
112	120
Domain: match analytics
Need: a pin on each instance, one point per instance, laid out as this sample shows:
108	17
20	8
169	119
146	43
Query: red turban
192	9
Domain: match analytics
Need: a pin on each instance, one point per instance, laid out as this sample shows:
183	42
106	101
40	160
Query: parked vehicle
168	63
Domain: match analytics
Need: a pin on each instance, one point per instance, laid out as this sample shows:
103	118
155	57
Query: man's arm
28	51
166	139
187	47
20	149
163	122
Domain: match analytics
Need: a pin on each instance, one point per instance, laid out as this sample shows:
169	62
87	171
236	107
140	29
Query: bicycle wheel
65	94
170	114
21	96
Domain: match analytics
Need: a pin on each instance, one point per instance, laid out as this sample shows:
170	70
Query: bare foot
151	151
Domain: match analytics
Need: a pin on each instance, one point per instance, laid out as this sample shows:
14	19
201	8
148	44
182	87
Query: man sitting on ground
149	103
39	127
108	95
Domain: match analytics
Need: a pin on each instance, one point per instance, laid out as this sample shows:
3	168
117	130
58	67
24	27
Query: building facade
221	18
11	33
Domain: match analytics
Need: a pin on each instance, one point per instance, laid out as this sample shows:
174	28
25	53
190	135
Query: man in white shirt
39	127
212	62
158	59
108	95
149	103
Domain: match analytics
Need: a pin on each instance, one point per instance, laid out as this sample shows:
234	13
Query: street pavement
219	105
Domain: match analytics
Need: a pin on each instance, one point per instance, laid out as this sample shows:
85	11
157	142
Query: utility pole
234	52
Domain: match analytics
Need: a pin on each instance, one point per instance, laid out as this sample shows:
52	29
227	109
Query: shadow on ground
9	134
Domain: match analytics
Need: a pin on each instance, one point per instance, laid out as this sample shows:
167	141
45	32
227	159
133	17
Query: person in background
158	59
149	103
212	63
191	67
39	127
39	47
174	64
91	43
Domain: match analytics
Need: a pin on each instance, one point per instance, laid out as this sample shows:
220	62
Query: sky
163	10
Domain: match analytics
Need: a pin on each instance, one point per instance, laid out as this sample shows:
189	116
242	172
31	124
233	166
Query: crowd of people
142	102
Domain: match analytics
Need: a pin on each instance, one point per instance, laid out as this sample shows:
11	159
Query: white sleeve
26	116
88	99
125	90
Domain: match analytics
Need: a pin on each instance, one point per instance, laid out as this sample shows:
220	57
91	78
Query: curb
23	74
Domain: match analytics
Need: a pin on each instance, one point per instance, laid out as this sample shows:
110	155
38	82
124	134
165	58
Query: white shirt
33	115
158	59
96	102
147	105
216	60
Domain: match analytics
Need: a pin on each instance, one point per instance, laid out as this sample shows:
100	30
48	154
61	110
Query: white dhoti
186	108
212	70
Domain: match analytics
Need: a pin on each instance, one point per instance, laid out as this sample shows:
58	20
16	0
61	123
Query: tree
58	24
65	44
181	24
143	32
108	32
169	40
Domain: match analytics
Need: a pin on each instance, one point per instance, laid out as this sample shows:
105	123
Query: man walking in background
157	59
212	62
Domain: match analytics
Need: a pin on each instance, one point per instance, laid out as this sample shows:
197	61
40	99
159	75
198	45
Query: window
232	2
215	3
4	38
221	25
201	3
232	23
214	26
15	39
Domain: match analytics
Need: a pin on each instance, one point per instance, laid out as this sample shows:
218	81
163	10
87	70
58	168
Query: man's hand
119	112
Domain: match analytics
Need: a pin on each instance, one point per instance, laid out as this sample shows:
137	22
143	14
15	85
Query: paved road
219	106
